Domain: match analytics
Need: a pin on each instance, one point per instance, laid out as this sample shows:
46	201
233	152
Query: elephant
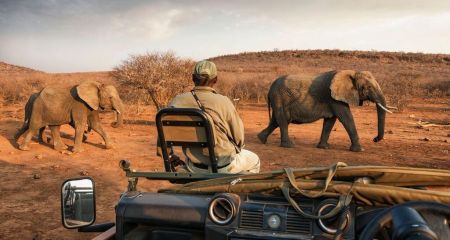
77	106
42	138
298	100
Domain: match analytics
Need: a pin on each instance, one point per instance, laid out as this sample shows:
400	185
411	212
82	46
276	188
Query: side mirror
78	202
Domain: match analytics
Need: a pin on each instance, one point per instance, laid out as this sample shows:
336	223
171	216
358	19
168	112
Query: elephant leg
25	146
56	136
328	124
91	118
285	141
85	133
97	127
264	134
282	120
345	117
33	127
80	124
42	137
78	139
85	136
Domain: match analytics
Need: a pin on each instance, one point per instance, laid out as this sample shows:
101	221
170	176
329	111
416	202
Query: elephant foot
377	139
45	140
323	145
77	149
24	147
116	124
262	137
109	146
60	147
288	144
356	148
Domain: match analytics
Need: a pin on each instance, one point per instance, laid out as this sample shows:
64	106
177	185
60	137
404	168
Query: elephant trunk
119	109
381	115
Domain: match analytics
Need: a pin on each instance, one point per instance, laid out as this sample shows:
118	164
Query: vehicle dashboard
144	215
224	216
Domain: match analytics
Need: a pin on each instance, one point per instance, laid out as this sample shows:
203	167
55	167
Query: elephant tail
27	115
21	131
26	124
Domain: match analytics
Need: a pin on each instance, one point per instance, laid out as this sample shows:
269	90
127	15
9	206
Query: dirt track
31	181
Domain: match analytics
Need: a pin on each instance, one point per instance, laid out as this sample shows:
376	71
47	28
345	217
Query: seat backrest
186	127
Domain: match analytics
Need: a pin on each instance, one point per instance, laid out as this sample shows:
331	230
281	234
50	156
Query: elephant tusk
391	107
382	107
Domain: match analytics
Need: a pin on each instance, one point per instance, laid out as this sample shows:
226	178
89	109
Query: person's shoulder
180	98
225	101
183	95
221	97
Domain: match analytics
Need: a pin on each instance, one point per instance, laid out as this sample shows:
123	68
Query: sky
95	35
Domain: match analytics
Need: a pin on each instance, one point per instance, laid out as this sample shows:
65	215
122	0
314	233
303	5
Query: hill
17	82
401	75
248	75
385	57
293	61
6	68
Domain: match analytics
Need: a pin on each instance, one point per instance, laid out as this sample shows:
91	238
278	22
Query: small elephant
42	138
328	96
77	106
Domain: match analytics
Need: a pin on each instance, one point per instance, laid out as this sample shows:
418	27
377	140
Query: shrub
437	88
245	86
14	89
401	88
154	76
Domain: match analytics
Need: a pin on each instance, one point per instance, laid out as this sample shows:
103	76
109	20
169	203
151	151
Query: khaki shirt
225	118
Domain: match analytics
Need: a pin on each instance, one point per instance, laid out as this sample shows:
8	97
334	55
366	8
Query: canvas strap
219	126
200	105
344	200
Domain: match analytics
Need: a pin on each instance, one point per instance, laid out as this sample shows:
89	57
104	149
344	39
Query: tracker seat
185	127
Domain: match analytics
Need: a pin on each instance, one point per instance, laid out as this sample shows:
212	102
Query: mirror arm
132	181
97	227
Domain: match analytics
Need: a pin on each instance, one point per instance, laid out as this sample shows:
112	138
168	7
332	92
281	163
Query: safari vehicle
336	202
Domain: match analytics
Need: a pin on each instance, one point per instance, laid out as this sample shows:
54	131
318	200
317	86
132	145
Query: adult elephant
76	106
328	96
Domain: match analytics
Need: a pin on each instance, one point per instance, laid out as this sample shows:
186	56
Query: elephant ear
343	88
89	92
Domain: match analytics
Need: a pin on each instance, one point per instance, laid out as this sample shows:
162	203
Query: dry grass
247	76
16	86
402	76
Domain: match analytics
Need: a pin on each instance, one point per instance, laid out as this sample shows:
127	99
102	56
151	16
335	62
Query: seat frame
210	142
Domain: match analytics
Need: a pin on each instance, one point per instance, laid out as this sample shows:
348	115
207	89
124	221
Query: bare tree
161	75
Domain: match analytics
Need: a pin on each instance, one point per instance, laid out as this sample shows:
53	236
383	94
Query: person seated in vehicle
229	129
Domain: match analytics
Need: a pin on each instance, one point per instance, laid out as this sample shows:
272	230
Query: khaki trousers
244	162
